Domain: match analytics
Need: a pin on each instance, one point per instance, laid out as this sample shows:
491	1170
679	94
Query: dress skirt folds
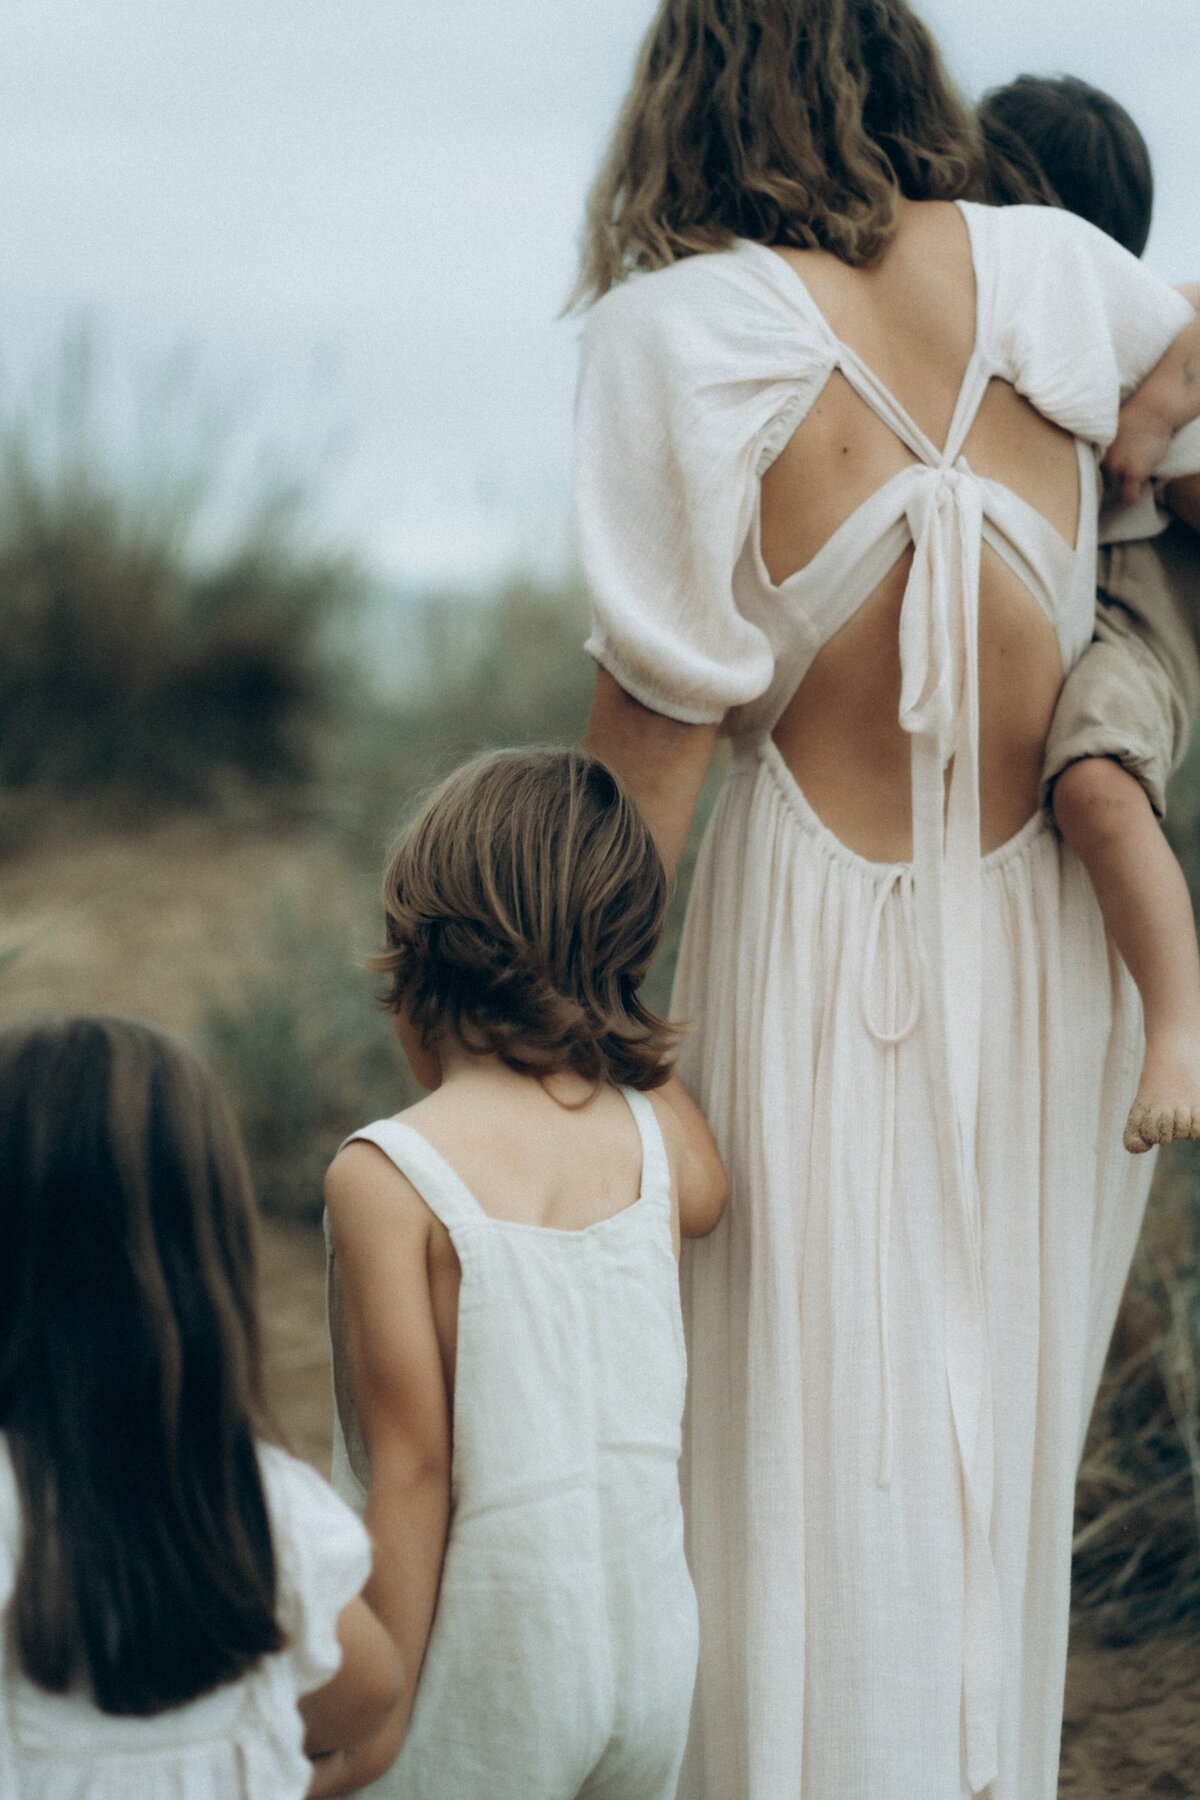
869	1628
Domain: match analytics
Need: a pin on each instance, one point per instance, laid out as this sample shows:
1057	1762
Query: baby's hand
1142	440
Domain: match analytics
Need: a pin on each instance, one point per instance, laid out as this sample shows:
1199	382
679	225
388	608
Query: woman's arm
662	762
380	1230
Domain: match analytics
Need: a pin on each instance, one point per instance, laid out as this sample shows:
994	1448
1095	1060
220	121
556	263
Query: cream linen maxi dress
917	1073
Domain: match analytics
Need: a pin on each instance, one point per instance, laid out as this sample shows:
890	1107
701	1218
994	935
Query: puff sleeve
687	389
323	1557
1080	321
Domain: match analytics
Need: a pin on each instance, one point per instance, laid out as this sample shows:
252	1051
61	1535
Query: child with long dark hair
176	1593
508	1346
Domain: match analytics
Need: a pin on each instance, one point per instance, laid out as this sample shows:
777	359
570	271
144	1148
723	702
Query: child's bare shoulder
364	1188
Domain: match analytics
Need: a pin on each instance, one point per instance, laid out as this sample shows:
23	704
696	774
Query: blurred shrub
481	671
305	1058
486	672
158	639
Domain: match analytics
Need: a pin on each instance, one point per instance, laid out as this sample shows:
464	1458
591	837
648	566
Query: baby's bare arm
1105	816
1168	398
381	1230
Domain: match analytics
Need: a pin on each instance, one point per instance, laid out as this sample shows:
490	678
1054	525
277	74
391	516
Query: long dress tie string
889	1034
939	707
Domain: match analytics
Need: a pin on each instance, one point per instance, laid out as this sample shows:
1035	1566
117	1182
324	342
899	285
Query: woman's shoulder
717	305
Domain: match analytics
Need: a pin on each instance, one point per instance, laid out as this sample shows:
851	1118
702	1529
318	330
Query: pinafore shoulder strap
444	1192
656	1170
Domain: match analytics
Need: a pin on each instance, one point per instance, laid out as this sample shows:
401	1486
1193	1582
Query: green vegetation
141	658
305	1057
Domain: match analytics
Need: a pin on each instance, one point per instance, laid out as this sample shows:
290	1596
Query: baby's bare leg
1104	815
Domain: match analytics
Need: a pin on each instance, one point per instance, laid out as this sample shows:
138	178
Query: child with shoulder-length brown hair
176	1593
508	1348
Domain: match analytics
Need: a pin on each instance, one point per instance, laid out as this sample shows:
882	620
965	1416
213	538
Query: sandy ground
152	923
155	921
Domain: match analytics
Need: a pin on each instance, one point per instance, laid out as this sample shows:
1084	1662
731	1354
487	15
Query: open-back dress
917	1072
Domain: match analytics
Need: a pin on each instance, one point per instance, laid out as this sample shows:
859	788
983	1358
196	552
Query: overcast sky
361	218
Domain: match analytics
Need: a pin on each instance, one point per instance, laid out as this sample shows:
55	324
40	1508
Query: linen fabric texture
242	1741
562	1654
917	1073
1135	691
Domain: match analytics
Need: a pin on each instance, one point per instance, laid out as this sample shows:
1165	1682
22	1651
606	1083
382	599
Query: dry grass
1137	1541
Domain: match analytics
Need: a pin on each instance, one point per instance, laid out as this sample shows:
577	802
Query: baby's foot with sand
1167	1106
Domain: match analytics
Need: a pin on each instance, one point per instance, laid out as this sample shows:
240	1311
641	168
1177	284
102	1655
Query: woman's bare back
911	319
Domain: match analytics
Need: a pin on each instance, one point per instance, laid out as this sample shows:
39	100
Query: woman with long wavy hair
837	494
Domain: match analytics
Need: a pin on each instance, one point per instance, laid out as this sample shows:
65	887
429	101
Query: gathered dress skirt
822	1484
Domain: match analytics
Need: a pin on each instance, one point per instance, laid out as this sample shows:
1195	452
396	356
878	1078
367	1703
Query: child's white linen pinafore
917	1074
563	1648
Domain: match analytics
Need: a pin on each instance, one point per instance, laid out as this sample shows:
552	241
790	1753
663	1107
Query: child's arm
696	1165
350	1722
381	1235
1168	398
1106	817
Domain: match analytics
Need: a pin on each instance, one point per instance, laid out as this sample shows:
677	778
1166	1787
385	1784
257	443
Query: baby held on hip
1125	711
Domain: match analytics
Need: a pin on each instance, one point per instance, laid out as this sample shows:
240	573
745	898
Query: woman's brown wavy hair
788	121
524	904
130	1384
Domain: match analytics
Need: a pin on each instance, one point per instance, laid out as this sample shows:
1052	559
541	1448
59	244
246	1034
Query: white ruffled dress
917	1073
243	1741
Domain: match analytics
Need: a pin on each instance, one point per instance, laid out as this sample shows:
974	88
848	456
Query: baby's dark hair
524	904
1089	154
130	1382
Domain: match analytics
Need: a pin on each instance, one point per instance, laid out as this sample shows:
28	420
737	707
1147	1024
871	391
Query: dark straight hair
1084	145
130	1385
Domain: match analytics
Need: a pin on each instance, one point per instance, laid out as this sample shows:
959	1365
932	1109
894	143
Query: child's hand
328	1776
1168	398
1142	440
